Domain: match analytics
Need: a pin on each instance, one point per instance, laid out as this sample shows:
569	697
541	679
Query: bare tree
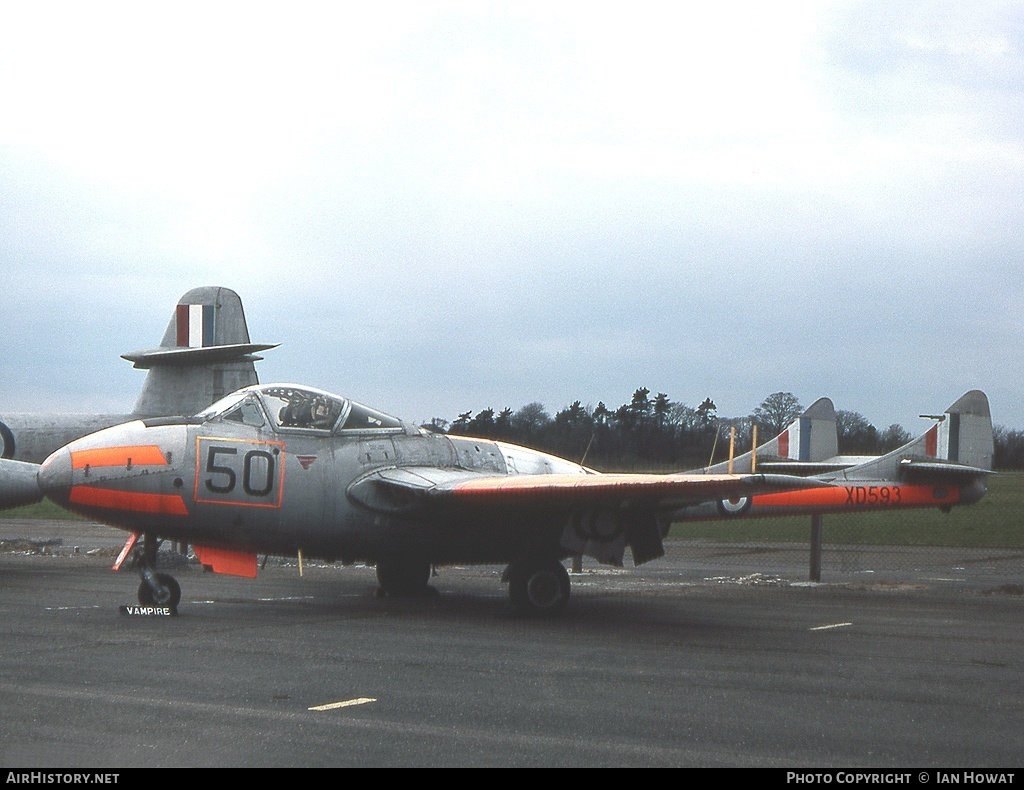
776	412
892	437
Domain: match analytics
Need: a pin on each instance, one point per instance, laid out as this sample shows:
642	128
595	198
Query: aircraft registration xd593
291	470
205	354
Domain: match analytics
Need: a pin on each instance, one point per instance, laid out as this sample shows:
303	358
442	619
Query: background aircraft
291	470
205	354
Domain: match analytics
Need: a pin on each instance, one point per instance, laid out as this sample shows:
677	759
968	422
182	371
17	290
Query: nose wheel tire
167	594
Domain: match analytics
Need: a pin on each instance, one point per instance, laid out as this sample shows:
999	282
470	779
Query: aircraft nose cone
55	476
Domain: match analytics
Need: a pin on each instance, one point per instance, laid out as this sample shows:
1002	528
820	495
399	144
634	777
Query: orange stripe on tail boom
857	496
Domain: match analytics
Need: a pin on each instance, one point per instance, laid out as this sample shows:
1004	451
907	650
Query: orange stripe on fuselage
862	496
169	504
138	455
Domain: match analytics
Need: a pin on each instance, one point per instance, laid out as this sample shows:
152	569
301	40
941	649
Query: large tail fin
799	449
958	446
204	355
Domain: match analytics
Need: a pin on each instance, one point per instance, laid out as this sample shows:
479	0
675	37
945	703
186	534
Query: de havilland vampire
291	470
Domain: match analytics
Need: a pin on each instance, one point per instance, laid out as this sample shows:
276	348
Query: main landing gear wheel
167	592
403	577
538	587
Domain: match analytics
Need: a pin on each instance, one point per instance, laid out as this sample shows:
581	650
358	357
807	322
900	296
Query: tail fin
964	434
960	445
205	354
808	440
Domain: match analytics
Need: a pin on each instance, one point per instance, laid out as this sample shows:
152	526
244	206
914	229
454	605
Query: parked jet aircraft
290	470
283	469
205	354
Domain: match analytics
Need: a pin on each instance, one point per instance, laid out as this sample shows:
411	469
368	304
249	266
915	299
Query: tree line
1009	450
655	432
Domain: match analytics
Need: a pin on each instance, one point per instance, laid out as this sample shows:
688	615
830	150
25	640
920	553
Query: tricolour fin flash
204	355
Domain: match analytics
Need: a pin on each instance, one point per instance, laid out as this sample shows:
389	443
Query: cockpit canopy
289	407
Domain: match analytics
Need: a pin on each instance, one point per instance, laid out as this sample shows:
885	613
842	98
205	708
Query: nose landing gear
159	589
155	589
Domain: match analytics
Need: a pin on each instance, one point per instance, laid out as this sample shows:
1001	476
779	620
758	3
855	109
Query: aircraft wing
595	514
666	490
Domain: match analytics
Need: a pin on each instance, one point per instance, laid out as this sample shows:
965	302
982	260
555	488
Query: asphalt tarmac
713	656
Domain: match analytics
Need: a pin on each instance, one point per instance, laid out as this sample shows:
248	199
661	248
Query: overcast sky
443	207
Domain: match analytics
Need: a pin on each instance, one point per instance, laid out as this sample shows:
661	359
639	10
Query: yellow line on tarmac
347	703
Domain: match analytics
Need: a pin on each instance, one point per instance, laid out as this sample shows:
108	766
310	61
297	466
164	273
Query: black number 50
264	469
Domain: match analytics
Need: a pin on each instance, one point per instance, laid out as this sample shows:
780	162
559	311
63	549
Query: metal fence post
816	547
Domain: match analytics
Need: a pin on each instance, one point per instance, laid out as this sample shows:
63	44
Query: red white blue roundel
734	507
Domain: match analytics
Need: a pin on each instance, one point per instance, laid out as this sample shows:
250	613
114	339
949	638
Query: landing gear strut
538	586
156	589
